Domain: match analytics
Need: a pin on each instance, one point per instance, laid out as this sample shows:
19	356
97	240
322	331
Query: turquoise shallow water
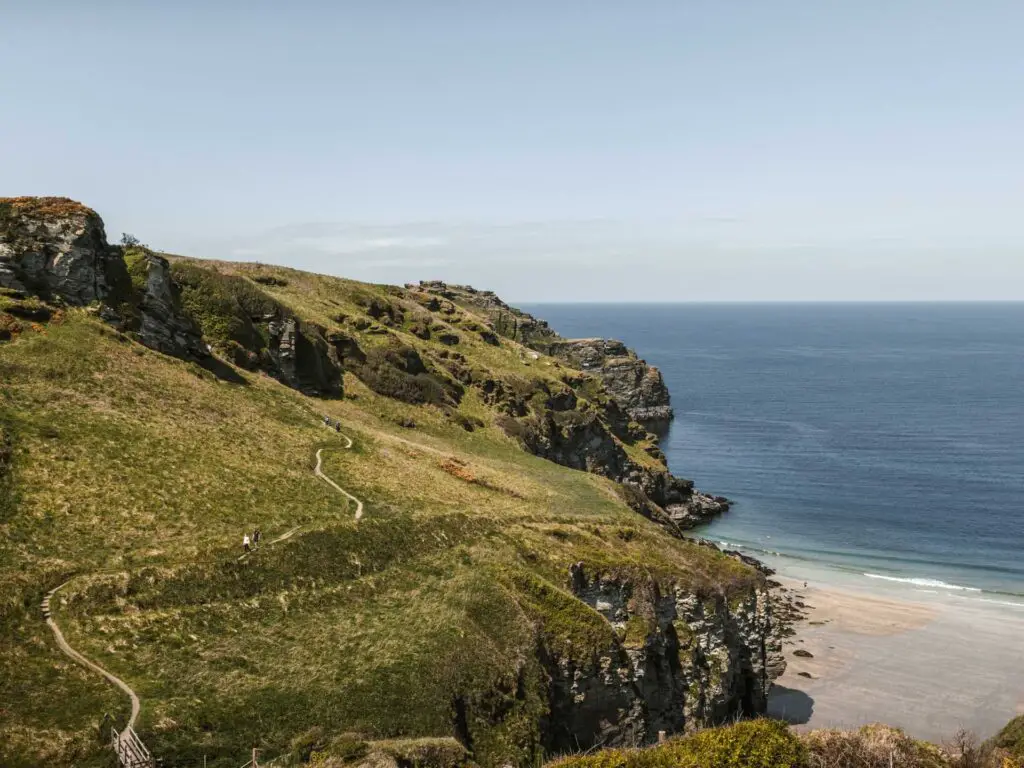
881	444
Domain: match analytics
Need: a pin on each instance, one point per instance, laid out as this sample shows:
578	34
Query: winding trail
71	653
319	473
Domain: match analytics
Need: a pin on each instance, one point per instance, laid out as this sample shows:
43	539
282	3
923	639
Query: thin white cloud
342	244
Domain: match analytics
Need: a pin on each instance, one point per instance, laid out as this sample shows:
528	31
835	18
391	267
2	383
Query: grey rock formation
679	662
637	387
163	325
283	334
507	321
54	248
584	441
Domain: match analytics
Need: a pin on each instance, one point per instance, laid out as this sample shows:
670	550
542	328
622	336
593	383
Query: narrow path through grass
67	650
73	654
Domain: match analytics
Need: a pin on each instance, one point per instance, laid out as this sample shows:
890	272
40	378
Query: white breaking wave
924	582
1000	602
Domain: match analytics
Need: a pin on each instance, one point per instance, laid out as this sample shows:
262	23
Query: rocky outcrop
679	662
163	325
637	387
56	249
256	332
506	320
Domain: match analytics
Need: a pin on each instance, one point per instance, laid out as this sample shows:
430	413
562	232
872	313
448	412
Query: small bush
270	280
9	327
751	744
468	423
306	743
873	746
439	752
527	431
1011	738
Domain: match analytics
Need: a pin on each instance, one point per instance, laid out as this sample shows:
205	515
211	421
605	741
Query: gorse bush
1011	739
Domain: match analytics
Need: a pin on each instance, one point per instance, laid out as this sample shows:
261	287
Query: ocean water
882	442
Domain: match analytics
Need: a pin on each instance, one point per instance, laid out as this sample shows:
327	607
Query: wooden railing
131	752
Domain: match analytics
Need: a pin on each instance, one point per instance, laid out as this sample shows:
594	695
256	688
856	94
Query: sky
749	150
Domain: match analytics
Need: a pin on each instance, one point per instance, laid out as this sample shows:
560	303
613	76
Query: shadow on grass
222	370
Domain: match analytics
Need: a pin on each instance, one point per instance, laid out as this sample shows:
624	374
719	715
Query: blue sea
882	442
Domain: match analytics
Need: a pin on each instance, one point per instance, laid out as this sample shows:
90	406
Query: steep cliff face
163	325
637	387
583	440
55	248
678	662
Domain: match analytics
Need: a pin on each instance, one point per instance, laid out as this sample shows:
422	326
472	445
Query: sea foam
924	582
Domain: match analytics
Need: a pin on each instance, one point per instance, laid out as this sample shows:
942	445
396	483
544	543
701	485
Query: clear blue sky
767	149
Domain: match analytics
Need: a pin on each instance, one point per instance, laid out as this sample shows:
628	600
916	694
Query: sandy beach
928	663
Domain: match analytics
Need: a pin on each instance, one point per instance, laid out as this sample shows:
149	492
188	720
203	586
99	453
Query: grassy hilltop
135	473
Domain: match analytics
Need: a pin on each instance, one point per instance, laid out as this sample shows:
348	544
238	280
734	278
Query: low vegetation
771	744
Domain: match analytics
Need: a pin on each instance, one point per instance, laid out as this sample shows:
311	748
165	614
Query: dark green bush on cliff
223	305
398	371
751	744
1011	738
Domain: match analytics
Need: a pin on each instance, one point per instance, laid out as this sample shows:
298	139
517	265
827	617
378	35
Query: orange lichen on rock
45	206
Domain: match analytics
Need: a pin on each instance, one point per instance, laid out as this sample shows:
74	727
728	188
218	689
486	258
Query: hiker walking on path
245	542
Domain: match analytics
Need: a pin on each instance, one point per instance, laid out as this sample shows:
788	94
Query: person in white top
245	542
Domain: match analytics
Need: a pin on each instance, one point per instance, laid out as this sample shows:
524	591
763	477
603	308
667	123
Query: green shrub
428	752
468	423
223	305
1011	738
398	371
303	745
750	744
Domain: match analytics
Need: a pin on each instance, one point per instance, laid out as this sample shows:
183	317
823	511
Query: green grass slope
135	475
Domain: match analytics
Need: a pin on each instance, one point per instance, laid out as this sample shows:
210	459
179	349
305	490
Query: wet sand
930	665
